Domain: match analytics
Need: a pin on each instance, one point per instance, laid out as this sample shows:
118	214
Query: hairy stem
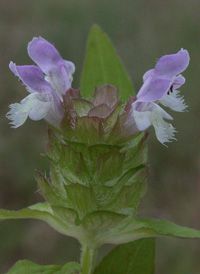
88	258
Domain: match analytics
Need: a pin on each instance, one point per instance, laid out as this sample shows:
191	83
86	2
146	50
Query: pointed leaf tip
103	66
96	27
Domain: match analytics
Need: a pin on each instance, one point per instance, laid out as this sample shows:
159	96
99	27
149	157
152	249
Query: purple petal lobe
32	77
46	56
153	89
173	64
159	81
178	81
147	74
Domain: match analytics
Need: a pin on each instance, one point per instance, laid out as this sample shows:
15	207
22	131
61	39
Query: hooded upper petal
158	81
171	65
46	56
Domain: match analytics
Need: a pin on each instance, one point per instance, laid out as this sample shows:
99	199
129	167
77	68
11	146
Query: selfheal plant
97	152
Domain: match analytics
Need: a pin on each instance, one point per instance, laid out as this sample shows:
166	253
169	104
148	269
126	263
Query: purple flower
160	86
46	84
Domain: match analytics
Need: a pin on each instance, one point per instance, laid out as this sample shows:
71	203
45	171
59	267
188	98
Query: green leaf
42	211
27	267
103	66
71	268
133	229
132	258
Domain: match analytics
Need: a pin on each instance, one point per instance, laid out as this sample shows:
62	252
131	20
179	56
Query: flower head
160	86
46	84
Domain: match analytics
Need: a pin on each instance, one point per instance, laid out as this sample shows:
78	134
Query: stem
88	258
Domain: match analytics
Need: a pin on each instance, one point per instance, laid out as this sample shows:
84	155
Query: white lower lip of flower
174	101
164	131
35	105
147	114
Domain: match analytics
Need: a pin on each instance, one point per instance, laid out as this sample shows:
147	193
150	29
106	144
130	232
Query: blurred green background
142	31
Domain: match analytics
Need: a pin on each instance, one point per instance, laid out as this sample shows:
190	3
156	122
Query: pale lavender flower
160	86
46	84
